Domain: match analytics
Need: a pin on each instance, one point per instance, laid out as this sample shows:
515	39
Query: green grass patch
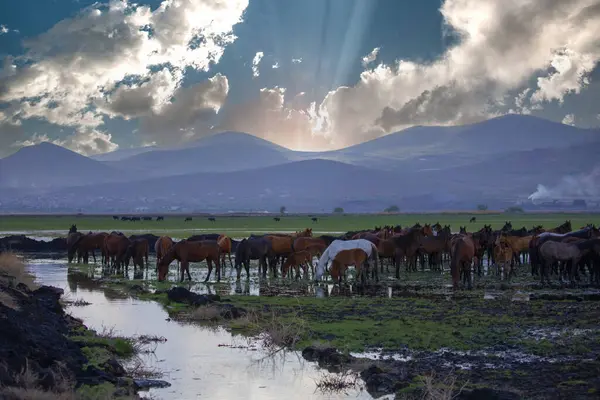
240	226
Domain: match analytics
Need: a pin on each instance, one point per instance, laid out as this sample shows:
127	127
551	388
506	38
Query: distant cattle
160	218
315	219
188	219
147	218
136	219
115	217
473	219
212	219
125	219
277	219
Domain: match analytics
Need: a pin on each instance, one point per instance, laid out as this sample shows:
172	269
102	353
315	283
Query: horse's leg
218	262
210	268
230	262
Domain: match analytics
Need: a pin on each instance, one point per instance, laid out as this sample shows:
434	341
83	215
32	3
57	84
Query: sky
305	74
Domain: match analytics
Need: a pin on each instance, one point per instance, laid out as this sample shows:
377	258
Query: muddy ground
499	340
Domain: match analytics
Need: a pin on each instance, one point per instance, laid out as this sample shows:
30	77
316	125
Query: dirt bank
43	350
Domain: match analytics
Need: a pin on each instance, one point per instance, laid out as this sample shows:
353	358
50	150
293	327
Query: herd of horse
559	251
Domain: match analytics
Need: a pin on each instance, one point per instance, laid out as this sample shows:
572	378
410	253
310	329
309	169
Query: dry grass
206	313
279	333
338	383
28	386
13	268
8	301
445	388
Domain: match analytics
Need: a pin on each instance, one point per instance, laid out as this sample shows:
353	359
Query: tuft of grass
278	333
206	313
8	301
338	383
13	269
436	388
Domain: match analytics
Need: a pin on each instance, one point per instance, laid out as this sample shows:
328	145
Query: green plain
239	226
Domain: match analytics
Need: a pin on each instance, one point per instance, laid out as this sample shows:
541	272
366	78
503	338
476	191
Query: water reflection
191	358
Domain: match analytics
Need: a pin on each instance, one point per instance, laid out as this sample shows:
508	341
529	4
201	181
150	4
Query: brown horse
551	252
161	246
115	248
72	238
406	245
186	252
343	260
462	256
503	255
434	247
89	243
295	260
224	243
137	250
518	244
281	246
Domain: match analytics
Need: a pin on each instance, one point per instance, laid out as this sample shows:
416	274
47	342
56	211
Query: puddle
193	359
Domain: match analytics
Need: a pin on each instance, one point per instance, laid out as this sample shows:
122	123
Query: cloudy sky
306	74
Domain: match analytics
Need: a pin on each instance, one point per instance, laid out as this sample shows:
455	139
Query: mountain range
498	162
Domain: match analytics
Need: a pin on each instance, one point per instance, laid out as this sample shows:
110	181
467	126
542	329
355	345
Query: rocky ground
44	351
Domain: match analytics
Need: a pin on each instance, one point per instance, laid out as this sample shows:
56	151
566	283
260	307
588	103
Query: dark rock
229	311
326	357
487	394
380	382
150	383
182	295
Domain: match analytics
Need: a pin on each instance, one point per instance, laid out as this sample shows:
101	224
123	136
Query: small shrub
13	267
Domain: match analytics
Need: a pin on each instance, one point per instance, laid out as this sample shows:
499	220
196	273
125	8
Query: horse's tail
375	252
454	270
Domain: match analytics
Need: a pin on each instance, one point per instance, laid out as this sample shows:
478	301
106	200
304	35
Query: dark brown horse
257	248
462	256
88	243
186	252
295	260
406	245
224	242
137	251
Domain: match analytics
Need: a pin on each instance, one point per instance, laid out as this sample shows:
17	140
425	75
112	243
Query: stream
191	359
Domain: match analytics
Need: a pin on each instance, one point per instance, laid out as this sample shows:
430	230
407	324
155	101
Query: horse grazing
345	258
212	219
252	249
295	260
224	243
282	246
137	250
462	255
473	219
551	252
338	245
186	252
187	219
71	249
161	246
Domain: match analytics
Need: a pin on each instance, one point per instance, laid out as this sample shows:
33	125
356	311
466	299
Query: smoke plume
581	186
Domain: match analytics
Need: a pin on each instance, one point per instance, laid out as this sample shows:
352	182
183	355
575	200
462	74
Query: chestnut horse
115	249
295	260
162	245
281	246
343	259
186	252
224	242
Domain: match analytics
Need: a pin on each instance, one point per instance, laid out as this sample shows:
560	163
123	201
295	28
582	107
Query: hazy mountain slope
49	165
121	154
224	152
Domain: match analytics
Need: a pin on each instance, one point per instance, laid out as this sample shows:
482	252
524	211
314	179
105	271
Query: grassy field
238	226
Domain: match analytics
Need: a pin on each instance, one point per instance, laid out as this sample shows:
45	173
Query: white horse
338	245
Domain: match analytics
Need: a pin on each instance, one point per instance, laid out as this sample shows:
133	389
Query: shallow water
191	358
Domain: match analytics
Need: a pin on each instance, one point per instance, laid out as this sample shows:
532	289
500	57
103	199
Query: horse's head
427	230
417	226
567	226
463	230
507	226
73	228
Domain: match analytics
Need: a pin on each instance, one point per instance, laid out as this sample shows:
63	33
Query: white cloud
569	119
87	142
369	58
72	72
503	45
296	60
255	61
